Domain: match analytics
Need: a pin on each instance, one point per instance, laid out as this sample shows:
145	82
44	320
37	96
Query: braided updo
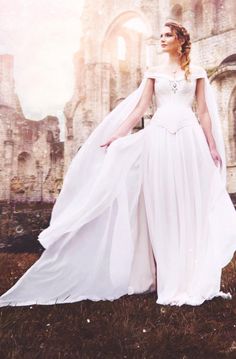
182	35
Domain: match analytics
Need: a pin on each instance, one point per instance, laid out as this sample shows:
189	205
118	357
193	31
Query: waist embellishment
174	123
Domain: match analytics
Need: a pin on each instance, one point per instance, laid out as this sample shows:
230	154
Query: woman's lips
163	45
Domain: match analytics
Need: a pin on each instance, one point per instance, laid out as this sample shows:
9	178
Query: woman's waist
174	106
174	112
173	118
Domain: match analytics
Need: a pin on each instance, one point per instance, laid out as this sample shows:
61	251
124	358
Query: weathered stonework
102	79
32	156
34	161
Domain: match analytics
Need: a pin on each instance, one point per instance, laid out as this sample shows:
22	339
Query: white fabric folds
149	213
83	173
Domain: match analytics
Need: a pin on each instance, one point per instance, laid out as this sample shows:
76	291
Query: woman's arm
205	119
135	115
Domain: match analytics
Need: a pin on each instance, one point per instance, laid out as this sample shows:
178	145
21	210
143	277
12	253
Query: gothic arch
225	76
120	71
122	18
224	69
229	60
116	24
24	161
176	12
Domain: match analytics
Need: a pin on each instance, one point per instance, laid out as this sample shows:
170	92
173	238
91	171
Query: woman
147	211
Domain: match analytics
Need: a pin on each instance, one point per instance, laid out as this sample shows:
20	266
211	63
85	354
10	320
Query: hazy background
42	36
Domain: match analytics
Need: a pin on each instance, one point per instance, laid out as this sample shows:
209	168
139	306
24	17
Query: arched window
177	13
24	164
121	48
50	137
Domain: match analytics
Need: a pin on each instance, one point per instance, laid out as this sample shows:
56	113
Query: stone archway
122	17
229	60
223	80
127	51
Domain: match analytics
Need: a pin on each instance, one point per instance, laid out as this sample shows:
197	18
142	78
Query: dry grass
131	327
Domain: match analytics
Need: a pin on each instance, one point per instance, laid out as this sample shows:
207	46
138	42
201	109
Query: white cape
97	244
90	173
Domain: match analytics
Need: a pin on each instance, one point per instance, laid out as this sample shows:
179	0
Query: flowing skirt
157	218
191	218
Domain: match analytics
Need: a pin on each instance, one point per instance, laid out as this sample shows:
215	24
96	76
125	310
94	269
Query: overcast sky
42	35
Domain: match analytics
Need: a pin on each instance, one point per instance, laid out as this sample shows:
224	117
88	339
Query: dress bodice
172	92
174	98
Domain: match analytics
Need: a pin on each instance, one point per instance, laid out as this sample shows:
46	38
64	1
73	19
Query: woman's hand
111	139
127	125
216	157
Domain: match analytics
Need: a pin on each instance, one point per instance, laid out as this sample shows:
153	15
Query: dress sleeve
199	72
150	73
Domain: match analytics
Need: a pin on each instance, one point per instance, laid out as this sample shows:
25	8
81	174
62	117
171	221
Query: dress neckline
171	78
155	72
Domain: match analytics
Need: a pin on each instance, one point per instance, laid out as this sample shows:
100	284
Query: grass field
130	327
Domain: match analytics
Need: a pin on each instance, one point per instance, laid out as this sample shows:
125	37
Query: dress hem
186	299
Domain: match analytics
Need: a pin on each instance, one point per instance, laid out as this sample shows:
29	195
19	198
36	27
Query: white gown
150	213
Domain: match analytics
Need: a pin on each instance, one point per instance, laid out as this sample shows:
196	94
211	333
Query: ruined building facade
102	78
32	156
34	161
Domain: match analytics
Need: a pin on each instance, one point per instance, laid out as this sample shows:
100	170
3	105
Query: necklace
173	86
173	83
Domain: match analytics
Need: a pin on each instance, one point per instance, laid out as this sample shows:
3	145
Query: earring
179	50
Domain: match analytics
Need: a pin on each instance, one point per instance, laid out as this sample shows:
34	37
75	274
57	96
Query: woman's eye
169	35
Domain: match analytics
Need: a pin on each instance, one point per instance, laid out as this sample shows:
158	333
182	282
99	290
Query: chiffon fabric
150	213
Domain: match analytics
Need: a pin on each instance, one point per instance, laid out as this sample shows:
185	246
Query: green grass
130	327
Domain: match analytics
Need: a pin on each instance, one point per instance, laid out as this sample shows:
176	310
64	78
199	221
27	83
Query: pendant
173	85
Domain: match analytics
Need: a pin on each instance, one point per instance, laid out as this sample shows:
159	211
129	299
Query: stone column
39	169
152	50
208	16
105	70
188	19
8	159
97	90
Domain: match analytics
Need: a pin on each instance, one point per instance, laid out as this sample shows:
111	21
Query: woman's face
169	41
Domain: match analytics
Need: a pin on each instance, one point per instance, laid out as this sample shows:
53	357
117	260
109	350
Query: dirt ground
130	327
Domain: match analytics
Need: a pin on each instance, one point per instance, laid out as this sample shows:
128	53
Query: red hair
182	35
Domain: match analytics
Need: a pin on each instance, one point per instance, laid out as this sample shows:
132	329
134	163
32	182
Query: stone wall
32	156
101	80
